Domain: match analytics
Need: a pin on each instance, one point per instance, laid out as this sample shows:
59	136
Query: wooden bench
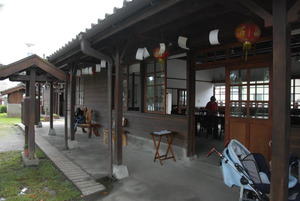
89	124
124	137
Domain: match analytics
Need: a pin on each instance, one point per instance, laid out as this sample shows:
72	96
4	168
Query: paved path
85	183
11	138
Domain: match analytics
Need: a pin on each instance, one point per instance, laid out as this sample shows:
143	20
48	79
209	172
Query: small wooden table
169	137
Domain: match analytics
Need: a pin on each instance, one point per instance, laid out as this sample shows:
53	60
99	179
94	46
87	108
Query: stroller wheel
249	196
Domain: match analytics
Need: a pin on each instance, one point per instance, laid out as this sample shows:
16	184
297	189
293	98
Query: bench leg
105	137
90	132
95	130
124	139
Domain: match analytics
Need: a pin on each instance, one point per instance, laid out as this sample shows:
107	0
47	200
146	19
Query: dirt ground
11	138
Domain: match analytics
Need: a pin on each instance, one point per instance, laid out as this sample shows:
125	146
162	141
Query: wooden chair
89	124
124	137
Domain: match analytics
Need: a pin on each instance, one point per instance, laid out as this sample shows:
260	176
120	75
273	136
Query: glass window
295	93
182	97
79	90
238	77
132	87
250	92
220	95
155	87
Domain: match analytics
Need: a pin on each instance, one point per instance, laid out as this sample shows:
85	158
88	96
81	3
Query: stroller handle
214	150
210	152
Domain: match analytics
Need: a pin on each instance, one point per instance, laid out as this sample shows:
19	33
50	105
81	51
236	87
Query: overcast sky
46	24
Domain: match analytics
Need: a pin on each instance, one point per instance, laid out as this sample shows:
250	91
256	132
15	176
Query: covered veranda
114	40
148	181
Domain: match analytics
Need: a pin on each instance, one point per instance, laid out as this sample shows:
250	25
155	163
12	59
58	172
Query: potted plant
26	150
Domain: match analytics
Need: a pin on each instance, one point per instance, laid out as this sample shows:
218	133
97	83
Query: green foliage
3	109
43	182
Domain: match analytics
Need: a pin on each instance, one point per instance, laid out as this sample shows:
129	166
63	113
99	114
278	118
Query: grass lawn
9	120
43	182
6	124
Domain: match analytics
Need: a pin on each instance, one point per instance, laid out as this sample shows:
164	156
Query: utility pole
29	45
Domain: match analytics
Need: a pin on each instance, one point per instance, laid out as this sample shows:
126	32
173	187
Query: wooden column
191	103
31	131
109	100
39	98
118	109
281	102
51	105
26	127
66	111
72	102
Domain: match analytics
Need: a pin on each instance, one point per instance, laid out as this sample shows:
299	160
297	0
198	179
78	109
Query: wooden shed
32	70
14	99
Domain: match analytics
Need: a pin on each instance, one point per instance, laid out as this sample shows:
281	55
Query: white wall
204	91
176	68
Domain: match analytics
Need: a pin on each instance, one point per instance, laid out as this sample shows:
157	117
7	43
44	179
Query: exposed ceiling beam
292	14
258	10
26	78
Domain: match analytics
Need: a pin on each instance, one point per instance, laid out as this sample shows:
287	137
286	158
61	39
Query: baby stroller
249	171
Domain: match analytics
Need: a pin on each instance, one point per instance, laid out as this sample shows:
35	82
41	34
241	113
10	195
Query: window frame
155	85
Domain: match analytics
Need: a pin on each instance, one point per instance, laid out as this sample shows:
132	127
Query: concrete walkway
84	182
201	179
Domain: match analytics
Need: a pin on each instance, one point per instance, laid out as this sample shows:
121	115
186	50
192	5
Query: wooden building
257	81
14	99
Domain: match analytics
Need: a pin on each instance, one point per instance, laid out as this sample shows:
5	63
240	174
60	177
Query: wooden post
58	100
118	109
26	127
51	105
73	97
281	102
191	103
109	85
142	81
31	138
39	98
66	112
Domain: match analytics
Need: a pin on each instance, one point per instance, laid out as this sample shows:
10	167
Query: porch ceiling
163	21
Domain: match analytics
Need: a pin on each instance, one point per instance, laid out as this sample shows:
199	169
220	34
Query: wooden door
248	108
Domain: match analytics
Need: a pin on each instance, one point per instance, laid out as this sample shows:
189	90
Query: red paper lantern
247	33
159	56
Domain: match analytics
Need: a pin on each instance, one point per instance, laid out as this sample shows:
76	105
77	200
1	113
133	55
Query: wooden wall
142	124
15	97
96	96
139	124
295	141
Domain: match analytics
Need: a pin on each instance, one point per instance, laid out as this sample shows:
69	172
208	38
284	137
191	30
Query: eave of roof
13	89
28	62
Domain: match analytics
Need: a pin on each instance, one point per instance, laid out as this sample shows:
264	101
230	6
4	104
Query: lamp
213	37
98	68
141	54
78	73
182	42
103	64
